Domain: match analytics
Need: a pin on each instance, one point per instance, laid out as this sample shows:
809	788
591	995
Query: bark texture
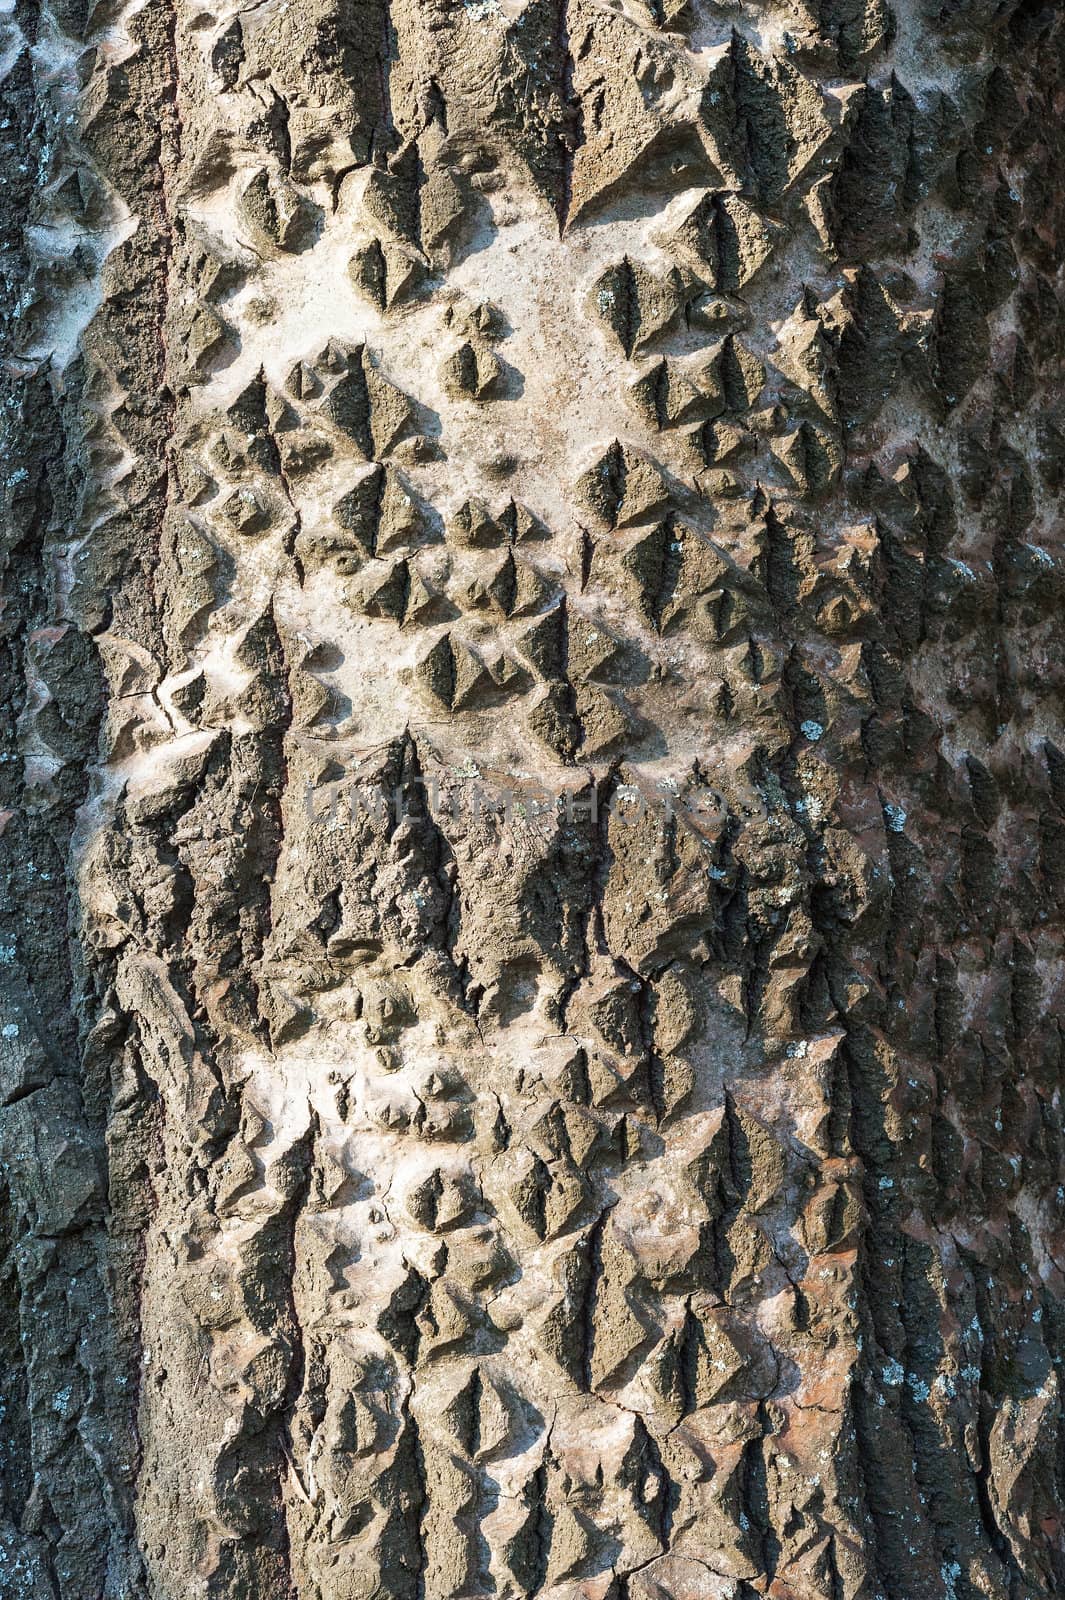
534	800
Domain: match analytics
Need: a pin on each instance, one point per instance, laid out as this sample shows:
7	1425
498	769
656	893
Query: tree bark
532	813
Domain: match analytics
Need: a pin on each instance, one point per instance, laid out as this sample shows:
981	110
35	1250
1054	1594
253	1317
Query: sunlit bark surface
532	800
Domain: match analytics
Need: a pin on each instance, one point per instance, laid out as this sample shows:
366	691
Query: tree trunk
533	807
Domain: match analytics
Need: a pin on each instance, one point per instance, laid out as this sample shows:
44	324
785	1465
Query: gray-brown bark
532	815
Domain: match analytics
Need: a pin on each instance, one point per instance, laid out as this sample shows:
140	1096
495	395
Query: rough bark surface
534	800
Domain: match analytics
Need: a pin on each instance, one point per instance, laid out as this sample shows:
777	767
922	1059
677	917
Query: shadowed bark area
532	809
